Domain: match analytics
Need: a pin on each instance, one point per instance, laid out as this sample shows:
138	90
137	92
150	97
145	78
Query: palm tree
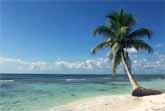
119	37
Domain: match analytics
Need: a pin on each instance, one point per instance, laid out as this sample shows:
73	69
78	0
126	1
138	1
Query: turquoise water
40	93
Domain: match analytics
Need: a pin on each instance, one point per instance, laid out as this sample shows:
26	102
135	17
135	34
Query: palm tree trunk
132	80
137	90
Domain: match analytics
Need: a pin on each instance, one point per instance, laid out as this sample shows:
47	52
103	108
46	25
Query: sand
116	103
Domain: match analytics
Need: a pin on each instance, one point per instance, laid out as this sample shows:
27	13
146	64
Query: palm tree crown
120	36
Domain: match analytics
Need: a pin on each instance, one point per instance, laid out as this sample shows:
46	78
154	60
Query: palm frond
121	19
138	45
113	16
115	47
142	32
110	55
100	46
129	20
117	60
104	30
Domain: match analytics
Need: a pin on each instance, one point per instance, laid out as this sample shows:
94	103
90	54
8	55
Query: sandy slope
116	103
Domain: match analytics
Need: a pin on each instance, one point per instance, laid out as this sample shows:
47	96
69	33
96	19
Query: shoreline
115	103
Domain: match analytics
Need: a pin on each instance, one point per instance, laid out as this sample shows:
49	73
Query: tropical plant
120	37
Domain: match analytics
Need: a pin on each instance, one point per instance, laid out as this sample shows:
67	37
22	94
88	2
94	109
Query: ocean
40	92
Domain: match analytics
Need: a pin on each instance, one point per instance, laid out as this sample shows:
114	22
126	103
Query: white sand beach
116	103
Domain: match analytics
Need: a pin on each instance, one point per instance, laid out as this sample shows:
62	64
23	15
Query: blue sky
56	36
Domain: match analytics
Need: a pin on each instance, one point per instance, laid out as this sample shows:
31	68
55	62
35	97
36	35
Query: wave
74	80
6	81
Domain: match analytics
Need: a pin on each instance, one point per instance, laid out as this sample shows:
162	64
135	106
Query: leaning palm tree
119	37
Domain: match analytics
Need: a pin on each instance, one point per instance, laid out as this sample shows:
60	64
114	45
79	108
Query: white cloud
151	64
11	60
58	66
141	64
131	50
87	64
39	65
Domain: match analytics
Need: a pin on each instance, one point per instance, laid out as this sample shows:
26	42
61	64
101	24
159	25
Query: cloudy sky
55	36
